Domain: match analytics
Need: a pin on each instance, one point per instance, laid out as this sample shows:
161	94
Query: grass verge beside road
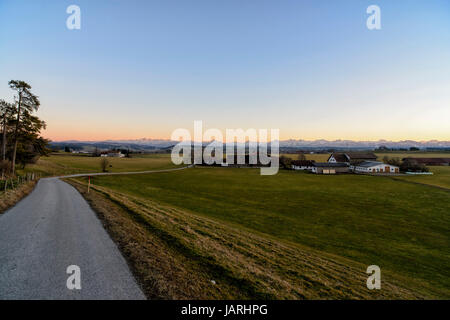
11	197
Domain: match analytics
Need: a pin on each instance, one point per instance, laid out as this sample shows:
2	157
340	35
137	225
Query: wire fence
9	184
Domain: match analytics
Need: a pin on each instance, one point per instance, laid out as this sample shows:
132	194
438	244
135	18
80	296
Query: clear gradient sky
310	68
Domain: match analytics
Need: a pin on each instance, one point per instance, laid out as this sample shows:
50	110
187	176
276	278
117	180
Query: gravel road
46	232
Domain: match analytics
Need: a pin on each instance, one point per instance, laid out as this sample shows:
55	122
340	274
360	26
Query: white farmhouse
113	154
374	167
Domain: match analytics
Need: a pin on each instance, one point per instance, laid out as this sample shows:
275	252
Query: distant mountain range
321	144
365	144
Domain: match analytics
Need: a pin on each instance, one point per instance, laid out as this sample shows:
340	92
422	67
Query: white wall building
374	167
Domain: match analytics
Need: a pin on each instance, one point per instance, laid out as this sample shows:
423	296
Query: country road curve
78	175
51	229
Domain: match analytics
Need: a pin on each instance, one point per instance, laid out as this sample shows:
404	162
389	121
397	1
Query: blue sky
310	68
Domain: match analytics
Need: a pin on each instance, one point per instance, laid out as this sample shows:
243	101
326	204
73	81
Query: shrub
104	163
5	168
412	165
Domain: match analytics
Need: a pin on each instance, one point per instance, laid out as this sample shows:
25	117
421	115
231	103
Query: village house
330	167
352	157
374	167
302	164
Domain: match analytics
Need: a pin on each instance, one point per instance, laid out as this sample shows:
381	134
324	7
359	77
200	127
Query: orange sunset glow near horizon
84	133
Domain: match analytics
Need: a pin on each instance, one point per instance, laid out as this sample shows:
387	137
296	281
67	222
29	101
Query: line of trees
21	142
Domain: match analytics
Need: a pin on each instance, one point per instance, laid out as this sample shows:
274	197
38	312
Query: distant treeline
90	147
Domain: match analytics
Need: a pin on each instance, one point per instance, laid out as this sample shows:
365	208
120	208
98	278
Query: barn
375	167
330	168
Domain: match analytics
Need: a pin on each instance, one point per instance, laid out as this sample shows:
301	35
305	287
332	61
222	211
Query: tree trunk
4	138
4	144
16	133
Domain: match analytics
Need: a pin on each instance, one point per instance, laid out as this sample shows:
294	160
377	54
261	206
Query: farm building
302	164
430	161
374	167
112	154
330	168
352	157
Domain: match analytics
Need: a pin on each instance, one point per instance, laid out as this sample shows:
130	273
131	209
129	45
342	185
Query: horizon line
280	140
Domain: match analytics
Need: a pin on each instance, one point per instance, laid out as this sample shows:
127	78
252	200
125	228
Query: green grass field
61	164
402	227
